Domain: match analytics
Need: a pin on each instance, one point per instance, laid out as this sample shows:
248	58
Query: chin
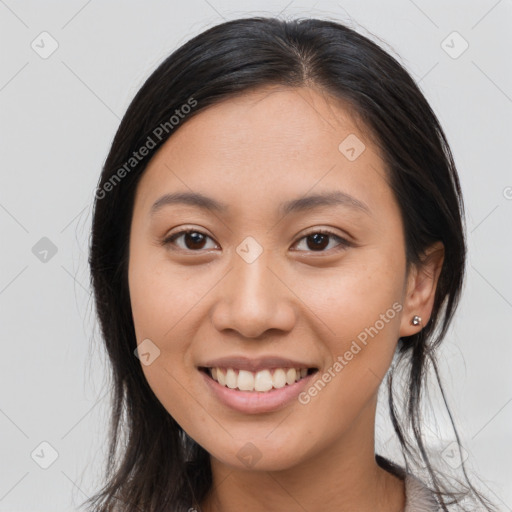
260	454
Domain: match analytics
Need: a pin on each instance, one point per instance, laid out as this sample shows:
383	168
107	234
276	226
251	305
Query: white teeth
245	380
279	378
261	381
231	379
291	376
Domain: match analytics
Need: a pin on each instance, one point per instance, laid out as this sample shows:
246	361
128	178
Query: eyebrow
333	198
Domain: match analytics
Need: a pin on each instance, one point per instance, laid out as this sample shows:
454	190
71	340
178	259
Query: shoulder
418	498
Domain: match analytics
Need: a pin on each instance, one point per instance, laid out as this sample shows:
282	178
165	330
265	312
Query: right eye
193	240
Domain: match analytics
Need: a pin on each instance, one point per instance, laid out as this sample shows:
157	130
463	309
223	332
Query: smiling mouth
262	381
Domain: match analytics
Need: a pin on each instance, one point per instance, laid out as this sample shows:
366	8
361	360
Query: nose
252	299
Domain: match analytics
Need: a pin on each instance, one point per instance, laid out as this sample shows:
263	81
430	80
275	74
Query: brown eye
192	240
318	241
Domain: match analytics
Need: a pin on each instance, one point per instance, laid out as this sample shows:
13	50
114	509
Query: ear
420	290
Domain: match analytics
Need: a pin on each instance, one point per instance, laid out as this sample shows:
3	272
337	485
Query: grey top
418	498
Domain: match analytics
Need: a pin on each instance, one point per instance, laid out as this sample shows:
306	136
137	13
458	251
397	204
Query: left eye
316	241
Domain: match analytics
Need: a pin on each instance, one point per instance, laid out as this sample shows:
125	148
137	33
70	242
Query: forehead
271	142
295	119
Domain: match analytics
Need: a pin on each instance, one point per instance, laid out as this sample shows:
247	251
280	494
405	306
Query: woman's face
256	291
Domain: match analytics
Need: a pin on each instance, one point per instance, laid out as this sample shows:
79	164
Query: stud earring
416	320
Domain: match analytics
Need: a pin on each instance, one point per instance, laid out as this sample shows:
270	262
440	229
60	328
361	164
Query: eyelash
343	243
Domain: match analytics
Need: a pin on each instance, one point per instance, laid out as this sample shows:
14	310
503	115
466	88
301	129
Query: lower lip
254	402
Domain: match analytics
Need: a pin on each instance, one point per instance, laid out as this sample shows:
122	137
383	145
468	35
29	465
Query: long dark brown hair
152	464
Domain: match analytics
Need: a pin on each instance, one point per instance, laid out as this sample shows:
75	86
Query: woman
277	227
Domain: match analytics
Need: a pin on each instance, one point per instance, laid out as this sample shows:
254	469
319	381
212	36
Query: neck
341	478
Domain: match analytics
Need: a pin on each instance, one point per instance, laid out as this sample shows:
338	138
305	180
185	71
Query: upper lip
255	364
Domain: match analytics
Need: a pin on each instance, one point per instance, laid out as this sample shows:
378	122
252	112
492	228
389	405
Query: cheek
361	310
160	316
163	299
354	297
161	294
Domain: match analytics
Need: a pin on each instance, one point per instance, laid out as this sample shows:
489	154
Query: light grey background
58	117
